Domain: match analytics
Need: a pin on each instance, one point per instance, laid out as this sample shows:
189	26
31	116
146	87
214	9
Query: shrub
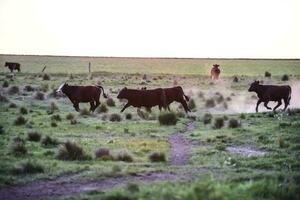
85	112
27	167
70	116
225	117
29	88
17	146
219	98
267	74
110	102
218	123
157	157
243	116
13	90
235	79
20	121
2	131
233	123
5	84
70	151
191	104
285	77
23	111
123	156
207	118
210	103
12	105
73	121
56	118
3	99
39	96
102	108
169	118
34	136
128	116
115	117
46	77
53	124
103	154
48	141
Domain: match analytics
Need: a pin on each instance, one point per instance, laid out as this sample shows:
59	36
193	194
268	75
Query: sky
151	28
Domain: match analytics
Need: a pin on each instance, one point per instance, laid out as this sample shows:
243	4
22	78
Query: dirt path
69	185
180	147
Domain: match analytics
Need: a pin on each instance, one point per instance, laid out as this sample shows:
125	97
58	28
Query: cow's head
62	88
253	87
123	93
216	65
6	64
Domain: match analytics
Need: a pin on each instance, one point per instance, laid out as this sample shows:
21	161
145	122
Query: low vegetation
169	118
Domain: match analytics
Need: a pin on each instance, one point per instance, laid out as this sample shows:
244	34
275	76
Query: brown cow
78	94
215	72
175	94
13	66
143	98
268	93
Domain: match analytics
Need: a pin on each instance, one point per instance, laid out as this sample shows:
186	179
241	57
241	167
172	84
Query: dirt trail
180	147
69	185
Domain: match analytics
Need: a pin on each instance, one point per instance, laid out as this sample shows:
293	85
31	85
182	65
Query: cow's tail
101	88
290	95
185	96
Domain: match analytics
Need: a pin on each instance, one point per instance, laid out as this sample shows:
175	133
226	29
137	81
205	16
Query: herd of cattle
163	97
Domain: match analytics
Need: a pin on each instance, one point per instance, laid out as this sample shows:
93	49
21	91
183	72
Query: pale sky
154	28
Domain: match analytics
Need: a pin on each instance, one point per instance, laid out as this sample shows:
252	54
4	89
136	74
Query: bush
73	121
23	111
102	108
20	121
3	99
115	117
191	104
27	167
34	136
157	157
13	90
219	98
210	103
123	156
53	124
267	74
5	84
235	79
2	131
128	116
243	116
17	146
207	118
85	112
285	77
110	102
29	88
12	105
219	123
70	116
46	77
39	96
103	154
56	118
233	123
48	141
70	151
169	118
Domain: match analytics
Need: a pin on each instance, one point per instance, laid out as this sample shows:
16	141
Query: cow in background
215	72
13	66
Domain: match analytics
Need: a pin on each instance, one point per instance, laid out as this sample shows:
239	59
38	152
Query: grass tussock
123	155
46	77
285	77
102	108
70	151
5	84
34	136
3	99
56	118
48	141
207	118
169	118
103	154
23	111
12	105
27	167
17	146
20	120
128	116
233	123
29	88
70	116
268	74
218	123
191	104
39	96
115	117
85	112
110	102
13	90
210	103
52	108
157	157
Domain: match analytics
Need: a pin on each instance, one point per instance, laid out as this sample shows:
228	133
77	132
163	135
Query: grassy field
231	152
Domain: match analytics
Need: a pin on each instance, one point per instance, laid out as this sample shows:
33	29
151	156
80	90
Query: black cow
143	98
266	93
78	94
13	66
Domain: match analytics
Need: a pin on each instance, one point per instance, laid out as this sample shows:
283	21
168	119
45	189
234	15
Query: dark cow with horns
13	66
143	98
85	94
215	72
268	93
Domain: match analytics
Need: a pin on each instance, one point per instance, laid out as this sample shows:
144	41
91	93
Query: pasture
221	150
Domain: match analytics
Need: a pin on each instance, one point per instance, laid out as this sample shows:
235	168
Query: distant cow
78	94
13	66
215	72
268	93
175	94
143	98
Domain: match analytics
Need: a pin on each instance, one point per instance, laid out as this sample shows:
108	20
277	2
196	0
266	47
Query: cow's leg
266	105
126	106
185	106
286	103
257	104
92	108
76	106
279	104
168	107
97	104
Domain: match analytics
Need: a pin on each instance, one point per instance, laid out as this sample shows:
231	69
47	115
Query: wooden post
44	68
89	67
